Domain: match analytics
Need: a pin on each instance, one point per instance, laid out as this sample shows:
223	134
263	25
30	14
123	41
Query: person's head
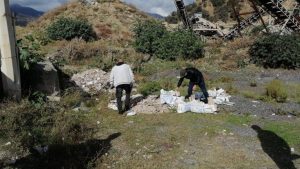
119	60
182	72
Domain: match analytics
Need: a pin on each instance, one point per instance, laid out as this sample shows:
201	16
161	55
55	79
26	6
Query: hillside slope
110	20
24	15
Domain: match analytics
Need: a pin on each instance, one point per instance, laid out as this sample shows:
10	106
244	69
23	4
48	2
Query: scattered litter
220	97
289	116
92	81
273	114
13	160
292	150
98	122
7	144
254	101
113	105
170	97
131	113
254	105
196	107
231	134
205	133
169	100
41	149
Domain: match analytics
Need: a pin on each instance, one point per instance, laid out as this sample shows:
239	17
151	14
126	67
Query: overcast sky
162	7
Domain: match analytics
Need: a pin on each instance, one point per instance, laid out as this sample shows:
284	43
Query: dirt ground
252	134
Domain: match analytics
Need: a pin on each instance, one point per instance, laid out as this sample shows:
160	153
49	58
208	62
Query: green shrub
276	90
277	51
178	44
146	33
67	28
28	125
149	88
28	52
151	37
217	3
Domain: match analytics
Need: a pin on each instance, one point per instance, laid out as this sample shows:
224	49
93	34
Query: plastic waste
131	113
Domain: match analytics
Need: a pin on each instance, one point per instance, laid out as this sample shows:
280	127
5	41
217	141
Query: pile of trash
220	97
141	105
172	100
92	81
151	105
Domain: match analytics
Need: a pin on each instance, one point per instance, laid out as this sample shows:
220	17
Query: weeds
149	88
276	90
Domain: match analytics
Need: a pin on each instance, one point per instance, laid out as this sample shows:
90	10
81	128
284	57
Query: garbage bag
170	98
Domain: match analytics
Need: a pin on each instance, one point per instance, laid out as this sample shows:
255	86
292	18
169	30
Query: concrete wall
10	69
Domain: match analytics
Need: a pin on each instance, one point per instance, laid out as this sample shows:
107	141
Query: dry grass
111	20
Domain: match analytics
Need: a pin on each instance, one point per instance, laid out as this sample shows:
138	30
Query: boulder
46	78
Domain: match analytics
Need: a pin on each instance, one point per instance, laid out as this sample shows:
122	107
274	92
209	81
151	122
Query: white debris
273	114
220	97
170	97
7	144
131	113
196	107
151	105
292	149
92	81
41	149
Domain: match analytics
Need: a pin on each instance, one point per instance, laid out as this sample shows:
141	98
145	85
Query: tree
146	34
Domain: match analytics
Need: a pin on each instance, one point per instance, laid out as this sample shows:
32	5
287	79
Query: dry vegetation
110	20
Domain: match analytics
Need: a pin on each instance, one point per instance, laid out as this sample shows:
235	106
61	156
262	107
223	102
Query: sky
162	7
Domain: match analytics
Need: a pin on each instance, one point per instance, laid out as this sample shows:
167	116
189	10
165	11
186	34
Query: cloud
41	5
162	7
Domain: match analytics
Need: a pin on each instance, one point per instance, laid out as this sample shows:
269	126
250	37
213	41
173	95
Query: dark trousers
202	87
119	93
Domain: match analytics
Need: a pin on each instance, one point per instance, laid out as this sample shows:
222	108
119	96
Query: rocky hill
111	20
24	15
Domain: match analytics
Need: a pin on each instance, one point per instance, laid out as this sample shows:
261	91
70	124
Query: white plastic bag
170	98
183	107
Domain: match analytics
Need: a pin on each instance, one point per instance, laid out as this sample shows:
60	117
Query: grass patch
276	90
294	92
289	131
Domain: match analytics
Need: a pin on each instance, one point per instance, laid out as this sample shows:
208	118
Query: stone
92	81
46	78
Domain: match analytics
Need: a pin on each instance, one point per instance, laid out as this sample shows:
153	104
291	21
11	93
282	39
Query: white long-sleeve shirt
121	74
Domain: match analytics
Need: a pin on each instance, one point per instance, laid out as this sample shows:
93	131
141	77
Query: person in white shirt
122	78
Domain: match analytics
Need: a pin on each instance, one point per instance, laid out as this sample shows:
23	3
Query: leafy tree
277	51
181	43
68	29
146	34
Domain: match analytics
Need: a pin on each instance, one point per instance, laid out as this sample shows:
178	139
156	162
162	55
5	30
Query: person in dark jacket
196	78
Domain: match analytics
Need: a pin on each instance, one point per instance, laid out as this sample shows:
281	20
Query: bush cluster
277	51
151	37
35	122
68	28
